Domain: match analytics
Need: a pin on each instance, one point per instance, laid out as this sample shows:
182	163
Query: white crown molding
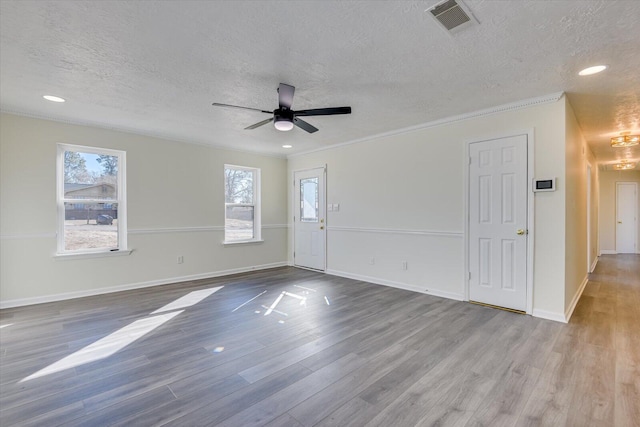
546	99
132	131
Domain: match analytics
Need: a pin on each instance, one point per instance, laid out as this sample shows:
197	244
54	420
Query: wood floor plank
375	356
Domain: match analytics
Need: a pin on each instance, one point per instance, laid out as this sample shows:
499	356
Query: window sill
86	255
242	242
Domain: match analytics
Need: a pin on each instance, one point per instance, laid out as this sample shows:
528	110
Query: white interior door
309	219
498	190
626	217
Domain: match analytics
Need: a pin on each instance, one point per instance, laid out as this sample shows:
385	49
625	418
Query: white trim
549	315
574	302
526	103
398	231
635	213
127	287
399	285
240	242
120	200
28	236
593	266
85	255
256	183
530	134
202	229
322	212
608	252
132	131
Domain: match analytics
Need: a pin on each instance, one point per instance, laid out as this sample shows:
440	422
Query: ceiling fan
284	118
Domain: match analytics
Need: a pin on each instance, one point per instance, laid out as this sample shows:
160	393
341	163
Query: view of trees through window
90	201
240	205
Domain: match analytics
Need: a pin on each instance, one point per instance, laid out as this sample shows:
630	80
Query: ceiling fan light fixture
283	124
625	140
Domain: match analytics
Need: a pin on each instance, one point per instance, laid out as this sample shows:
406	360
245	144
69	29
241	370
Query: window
91	200
242	204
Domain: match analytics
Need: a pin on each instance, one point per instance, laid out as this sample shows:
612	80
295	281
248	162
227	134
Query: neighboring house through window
91	199
242	204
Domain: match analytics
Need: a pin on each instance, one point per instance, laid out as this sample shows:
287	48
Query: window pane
90	176
238	223
238	186
309	200
90	226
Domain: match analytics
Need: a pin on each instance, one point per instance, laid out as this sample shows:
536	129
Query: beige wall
607	223
172	188
577	157
414	183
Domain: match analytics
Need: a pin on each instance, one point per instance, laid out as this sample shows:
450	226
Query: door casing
323	214
530	211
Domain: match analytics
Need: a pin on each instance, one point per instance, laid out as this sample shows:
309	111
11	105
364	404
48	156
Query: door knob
619	222
322	227
520	232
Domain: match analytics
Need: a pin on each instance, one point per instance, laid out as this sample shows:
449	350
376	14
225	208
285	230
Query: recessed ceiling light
592	70
287	146
53	98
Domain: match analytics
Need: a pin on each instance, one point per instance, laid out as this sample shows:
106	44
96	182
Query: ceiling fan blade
285	95
216	104
304	125
257	125
323	111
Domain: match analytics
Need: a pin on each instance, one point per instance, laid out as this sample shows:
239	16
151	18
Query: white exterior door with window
309	219
498	192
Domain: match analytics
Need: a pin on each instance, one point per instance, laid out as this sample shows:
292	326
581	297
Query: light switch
336	207
329	207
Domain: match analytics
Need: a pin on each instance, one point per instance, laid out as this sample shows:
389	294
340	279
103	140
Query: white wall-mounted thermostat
544	184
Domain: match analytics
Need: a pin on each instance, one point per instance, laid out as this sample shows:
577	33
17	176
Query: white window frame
121	200
257	227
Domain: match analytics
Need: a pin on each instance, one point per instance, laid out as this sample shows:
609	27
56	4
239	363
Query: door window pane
309	200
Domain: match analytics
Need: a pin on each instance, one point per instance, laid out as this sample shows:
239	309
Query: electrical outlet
180	259
372	261
404	265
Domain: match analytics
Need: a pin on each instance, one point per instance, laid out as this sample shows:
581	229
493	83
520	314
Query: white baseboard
549	315
127	287
593	266
393	284
569	312
608	252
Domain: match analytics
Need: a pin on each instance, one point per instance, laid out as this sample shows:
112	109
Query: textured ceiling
156	67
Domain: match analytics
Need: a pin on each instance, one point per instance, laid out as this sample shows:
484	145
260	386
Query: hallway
594	372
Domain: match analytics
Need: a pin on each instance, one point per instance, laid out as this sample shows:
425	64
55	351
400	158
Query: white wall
578	155
607	223
402	198
172	188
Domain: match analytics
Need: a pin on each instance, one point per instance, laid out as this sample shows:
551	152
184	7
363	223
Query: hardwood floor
289	347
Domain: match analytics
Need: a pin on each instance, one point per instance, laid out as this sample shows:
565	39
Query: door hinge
469	160
469	275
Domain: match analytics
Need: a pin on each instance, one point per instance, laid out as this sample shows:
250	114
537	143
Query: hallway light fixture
624	165
625	140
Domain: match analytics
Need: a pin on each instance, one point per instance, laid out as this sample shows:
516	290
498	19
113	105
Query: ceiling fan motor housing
283	119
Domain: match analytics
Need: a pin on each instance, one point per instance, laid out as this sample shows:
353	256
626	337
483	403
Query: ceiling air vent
452	15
